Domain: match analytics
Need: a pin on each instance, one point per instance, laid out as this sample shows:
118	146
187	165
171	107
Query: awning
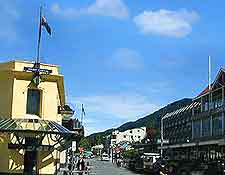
32	126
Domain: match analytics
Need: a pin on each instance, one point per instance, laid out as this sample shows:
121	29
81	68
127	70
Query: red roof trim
206	90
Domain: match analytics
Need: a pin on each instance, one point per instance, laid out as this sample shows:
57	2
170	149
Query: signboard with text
164	141
74	145
34	69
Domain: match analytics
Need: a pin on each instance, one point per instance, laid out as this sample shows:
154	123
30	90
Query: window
217	125
124	136
130	131
197	128
206	127
206	106
113	136
33	101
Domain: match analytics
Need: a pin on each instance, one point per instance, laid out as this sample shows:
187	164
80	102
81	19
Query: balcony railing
213	107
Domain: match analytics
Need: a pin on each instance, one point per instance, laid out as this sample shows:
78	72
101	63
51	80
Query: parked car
149	159
105	157
139	163
159	166
185	167
131	163
216	167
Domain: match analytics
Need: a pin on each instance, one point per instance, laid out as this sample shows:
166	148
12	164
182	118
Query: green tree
130	153
85	143
100	139
152	131
151	123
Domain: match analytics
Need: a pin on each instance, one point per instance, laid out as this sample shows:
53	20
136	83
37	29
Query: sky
123	59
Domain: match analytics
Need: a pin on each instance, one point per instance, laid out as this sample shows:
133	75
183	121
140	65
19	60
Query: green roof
32	126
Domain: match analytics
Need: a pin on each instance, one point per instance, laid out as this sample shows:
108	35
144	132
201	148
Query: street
107	168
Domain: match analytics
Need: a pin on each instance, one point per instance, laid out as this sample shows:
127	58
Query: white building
130	135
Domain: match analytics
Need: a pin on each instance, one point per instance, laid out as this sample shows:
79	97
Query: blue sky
122	58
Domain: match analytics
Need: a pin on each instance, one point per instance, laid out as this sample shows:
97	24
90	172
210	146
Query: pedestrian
74	161
88	167
171	170
81	164
78	164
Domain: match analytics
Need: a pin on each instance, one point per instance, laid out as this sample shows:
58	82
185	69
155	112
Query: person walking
81	165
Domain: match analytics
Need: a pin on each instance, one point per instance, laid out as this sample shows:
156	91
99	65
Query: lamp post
161	153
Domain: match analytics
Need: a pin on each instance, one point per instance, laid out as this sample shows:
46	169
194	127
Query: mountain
154	117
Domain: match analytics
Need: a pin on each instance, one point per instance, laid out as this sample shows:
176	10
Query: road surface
107	168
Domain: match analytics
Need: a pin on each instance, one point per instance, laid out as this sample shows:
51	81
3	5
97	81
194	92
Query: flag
83	111
45	24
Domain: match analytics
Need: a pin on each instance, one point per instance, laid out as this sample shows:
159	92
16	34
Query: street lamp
161	136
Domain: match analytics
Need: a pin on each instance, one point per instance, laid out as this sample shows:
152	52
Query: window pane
206	127
33	101
197	128
217	125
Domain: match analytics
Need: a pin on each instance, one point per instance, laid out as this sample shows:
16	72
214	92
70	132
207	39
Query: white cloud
125	59
55	8
167	23
124	106
108	111
113	8
91	130
116	9
67	12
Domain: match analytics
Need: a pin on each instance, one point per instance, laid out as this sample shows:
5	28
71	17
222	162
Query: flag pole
209	72
210	88
39	39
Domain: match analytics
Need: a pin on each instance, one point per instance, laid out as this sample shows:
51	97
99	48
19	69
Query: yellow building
31	99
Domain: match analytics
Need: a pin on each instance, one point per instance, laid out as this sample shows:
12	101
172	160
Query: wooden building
197	131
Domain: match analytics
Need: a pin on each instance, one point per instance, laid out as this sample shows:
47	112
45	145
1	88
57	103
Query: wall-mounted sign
164	141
